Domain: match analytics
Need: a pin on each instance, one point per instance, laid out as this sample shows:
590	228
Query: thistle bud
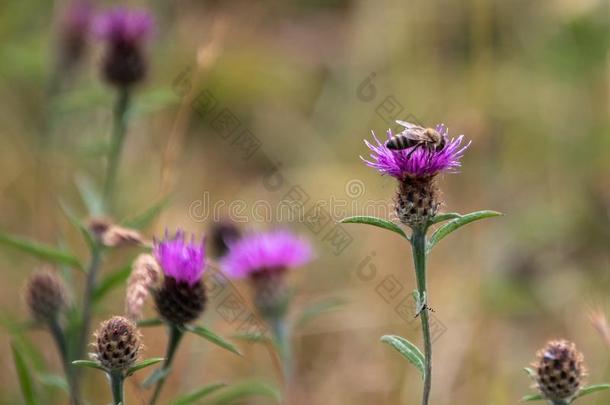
46	296
559	370
117	343
181	298
417	200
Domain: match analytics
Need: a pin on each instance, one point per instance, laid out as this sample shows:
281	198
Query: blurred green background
527	82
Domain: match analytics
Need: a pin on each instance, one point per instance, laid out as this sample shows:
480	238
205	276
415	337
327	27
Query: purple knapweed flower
124	31
180	259
422	162
265	252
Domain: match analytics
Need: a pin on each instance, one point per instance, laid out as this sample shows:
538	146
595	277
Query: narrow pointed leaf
532	397
457	223
408	351
444	217
318	308
149	322
155	377
145	218
89	364
191	397
378	222
591	389
24	376
232	394
144	364
77	223
252	337
54	380
111	281
212	337
90	195
40	250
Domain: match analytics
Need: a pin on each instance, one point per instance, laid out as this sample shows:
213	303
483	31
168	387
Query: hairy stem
281	335
175	335
116	146
94	265
418	242
116	383
60	342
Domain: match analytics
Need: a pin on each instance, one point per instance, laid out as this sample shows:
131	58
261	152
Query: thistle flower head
559	370
421	162
180	259
45	295
123	27
117	343
267	251
124	31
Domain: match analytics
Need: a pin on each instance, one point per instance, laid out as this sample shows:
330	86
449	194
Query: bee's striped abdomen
399	142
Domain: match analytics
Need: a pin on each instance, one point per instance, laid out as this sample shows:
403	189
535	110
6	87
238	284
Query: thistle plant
265	259
417	205
116	349
558	373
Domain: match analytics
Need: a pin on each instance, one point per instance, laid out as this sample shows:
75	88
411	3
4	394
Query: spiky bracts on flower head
124	31
559	369
417	198
264	258
117	343
181	298
45	295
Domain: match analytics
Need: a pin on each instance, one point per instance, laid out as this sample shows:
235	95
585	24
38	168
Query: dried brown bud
117	343
145	274
598	319
46	296
112	235
559	370
417	200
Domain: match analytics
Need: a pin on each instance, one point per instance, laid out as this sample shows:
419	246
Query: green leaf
156	376
457	223
17	331
149	322
54	380
232	394
77	223
88	363
532	397
198	394
24	376
144	364
252	337
444	217
591	389
212	337
318	308
145	218
408	350
40	250
90	195
111	281
378	222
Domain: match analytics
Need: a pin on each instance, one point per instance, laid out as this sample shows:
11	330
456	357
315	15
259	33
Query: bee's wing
412	131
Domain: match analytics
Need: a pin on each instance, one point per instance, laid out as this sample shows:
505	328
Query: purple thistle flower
122	26
184	261
269	251
420	163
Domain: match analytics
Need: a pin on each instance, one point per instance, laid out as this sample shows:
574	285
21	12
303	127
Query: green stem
175	335
418	242
281	334
558	402
94	265
116	146
116	383
60	342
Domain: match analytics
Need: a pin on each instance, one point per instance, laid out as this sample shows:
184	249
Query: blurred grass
527	82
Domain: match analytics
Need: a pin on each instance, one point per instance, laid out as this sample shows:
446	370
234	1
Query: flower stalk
175	336
60	341
116	384
121	111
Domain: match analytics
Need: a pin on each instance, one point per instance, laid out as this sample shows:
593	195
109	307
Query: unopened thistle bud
74	26
559	370
124	32
264	259
415	167
181	298
46	296
145	273
117	343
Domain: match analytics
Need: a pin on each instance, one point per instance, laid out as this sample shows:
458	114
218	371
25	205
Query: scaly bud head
117	343
180	302
559	370
45	296
417	200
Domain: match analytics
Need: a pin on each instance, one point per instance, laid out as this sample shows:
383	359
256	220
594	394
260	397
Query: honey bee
414	136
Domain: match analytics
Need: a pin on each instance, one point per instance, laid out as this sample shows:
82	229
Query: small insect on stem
425	306
415	137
